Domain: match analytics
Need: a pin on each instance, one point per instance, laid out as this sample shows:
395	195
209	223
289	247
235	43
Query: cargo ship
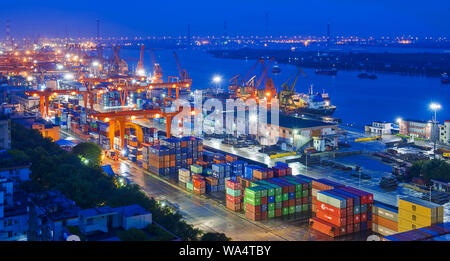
276	69
367	76
331	71
445	79
313	103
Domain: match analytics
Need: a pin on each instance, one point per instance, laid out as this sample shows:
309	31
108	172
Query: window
413	226
413	208
414	217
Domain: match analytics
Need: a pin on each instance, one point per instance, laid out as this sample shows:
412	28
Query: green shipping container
234	192
305	193
278	198
285	196
292	210
252	192
271	213
190	186
196	169
298	194
285	211
305	207
263	191
253	201
271	206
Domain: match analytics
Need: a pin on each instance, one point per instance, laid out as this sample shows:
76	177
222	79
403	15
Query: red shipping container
350	229
331	210
263	200
356	227
369	225
233	206
356	218
269	173
278	212
285	203
305	200
252	208
264	215
338	221
363	217
252	215
324	227
233	199
298	201
349	219
292	202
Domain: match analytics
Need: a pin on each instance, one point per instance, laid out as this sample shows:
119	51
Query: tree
210	236
90	151
133	234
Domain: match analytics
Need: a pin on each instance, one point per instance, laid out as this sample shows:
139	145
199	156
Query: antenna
189	34
266	20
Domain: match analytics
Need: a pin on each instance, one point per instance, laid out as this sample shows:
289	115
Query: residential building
46	128
51	214
5	133
444	133
16	173
379	128
14	213
106	219
426	130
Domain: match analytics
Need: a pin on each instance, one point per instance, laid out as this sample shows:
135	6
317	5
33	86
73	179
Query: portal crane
140	66
184	76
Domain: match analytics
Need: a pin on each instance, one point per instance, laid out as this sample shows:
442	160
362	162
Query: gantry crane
122	117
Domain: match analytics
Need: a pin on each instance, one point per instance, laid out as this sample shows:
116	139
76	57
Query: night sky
143	18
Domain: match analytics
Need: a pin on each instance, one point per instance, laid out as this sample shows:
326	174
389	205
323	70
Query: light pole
435	107
217	79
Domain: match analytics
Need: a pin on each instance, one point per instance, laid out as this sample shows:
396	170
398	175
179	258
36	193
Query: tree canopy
430	169
210	236
90	151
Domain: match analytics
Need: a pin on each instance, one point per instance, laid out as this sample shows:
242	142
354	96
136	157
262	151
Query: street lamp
435	107
217	79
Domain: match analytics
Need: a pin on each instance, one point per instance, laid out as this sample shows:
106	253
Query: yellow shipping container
418	206
406	225
416	218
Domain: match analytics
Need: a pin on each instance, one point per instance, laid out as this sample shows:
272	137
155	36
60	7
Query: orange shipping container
385	222
338	221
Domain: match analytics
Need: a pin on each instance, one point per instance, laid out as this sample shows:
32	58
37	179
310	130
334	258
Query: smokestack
98	30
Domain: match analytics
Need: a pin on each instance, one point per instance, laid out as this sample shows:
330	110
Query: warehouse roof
299	123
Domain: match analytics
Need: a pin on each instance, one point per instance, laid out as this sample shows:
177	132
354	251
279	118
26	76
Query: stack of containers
320	185
233	195
196	169
184	176
237	168
416	213
221	171
199	185
253	203
249	169
211	184
302	194
365	208
342	211
229	158
287	205
219	158
384	219
158	159
436	232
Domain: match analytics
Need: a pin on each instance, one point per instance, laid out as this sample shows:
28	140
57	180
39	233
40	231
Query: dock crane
157	71
287	91
119	65
140	66
184	76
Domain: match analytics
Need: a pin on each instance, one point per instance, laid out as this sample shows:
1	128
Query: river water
358	101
